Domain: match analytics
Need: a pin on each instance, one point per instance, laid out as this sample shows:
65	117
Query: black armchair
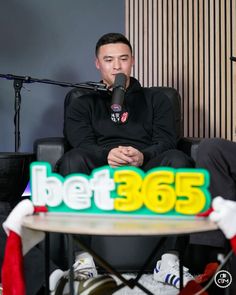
51	149
125	253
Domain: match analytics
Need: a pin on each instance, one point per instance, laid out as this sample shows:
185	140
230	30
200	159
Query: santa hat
195	286
20	240
224	214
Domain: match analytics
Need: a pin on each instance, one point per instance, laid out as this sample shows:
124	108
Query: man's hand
124	155
135	155
117	158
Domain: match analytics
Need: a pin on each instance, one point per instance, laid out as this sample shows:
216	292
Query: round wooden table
117	225
108	225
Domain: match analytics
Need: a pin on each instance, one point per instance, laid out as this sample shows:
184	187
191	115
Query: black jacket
150	127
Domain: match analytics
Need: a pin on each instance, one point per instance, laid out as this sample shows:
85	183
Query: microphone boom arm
27	79
18	82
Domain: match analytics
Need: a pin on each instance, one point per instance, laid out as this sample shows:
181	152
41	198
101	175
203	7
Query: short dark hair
112	38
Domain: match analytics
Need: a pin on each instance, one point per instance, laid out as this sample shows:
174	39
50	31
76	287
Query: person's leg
218	156
170	158
174	159
80	161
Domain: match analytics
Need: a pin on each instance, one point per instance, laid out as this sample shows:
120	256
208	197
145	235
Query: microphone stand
18	83
17	86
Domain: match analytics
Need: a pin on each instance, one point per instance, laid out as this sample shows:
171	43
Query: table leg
71	262
131	283
47	257
150	257
181	273
183	241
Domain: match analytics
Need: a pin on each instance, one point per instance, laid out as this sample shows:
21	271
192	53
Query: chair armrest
189	146
50	149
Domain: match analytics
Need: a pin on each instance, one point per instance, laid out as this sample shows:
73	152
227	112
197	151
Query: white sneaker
167	271
84	267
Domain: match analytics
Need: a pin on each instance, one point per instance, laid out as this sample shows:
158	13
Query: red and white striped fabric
20	240
224	215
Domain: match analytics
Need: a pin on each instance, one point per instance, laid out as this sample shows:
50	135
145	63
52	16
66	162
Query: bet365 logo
122	190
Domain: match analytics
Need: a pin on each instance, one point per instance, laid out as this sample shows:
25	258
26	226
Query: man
146	138
218	157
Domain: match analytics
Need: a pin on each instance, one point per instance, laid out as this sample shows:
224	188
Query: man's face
112	59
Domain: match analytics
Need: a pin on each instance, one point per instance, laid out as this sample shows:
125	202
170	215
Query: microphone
118	92
118	98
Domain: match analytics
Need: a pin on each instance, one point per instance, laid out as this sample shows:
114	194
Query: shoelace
80	274
84	274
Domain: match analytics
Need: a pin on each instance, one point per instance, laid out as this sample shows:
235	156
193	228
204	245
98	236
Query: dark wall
48	39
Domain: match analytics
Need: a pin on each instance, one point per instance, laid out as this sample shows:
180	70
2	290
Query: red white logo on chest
124	117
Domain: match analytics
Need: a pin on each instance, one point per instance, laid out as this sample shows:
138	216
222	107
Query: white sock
54	278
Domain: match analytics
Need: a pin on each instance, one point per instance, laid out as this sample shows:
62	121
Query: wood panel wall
187	44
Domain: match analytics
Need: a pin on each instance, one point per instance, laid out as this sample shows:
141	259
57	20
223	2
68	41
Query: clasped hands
125	155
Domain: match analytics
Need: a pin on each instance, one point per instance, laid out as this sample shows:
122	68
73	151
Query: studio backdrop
48	39
187	44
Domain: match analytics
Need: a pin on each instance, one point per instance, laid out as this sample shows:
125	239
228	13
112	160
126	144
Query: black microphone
118	92
118	97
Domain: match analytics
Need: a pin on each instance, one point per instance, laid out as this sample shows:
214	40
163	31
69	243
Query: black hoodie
150	127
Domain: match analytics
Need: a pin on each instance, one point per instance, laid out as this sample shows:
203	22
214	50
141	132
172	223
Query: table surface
116	225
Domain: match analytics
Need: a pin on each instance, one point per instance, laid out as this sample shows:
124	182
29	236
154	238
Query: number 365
162	190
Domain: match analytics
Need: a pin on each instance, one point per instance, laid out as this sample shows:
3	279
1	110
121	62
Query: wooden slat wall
187	44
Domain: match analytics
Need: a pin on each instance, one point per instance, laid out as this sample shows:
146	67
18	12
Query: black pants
218	156
78	160
83	161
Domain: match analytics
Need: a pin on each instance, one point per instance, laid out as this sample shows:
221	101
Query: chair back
175	99
70	96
